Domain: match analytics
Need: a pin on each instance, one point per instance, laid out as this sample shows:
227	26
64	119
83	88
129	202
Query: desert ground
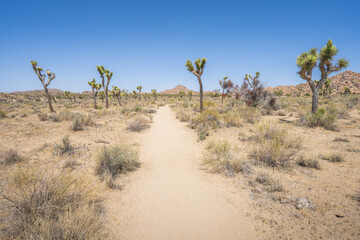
162	170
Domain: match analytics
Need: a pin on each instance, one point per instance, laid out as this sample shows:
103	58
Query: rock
257	190
287	199
302	203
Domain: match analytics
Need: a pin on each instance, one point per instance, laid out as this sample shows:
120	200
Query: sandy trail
170	197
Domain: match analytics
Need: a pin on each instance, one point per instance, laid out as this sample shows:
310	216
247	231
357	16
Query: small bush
322	118
117	159
309	163
338	139
77	125
222	158
2	114
39	206
275	147
232	119
65	147
10	156
23	115
138	123
250	114
209	117
55	117
42	116
333	158
202	131
271	182
87	121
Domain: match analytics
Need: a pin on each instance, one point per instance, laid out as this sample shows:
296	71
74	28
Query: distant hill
38	91
348	79
175	90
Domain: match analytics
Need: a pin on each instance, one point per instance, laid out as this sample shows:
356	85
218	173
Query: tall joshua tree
198	72
139	88
42	77
154	92
226	86
307	61
95	87
103	72
181	94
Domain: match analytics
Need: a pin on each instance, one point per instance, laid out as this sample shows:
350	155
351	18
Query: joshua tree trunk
223	95
106	94
95	107
49	99
201	94
119	100
315	98
139	96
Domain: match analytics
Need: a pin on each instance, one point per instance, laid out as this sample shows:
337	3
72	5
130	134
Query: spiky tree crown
153	91
199	64
101	70
108	74
139	88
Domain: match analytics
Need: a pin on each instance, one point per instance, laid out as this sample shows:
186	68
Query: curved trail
170	197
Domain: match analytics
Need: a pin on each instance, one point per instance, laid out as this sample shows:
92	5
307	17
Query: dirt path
170	197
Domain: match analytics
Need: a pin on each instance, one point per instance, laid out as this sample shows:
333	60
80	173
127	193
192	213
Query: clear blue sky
147	42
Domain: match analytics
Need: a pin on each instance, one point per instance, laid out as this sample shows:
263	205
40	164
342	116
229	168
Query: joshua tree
102	71
190	94
139	88
226	85
135	94
347	91
154	92
95	90
102	96
307	61
68	95
200	65
116	92
42	76
181	94
251	90
326	88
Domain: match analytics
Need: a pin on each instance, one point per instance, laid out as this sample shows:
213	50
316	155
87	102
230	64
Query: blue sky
147	42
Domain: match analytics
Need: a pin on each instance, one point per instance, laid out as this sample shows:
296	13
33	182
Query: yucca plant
42	77
139	88
324	58
198	72
103	72
181	94
226	86
154	92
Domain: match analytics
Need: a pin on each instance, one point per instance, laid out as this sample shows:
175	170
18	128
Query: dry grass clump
42	116
55	117
183	116
221	157
114	160
269	180
77	125
309	163
339	139
232	119
275	147
10	156
138	123
250	114
38	206
333	157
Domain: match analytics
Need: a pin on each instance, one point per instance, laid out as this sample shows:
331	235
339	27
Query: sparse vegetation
138	123
309	163
10	156
333	157
269	180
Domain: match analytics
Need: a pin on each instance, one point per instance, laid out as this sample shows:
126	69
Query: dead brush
10	157
269	180
333	157
309	163
35	205
183	115
274	146
221	157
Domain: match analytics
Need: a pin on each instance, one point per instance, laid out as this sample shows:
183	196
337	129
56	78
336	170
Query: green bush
322	118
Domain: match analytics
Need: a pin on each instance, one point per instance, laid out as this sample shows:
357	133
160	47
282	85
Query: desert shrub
65	147
77	125
333	157
2	114
87	120
210	117
116	159
221	157
250	115
271	182
339	139
322	118
10	156
138	123
232	119
151	110
202	131
23	115
55	117
183	115
53	206
309	163
69	116
342	111
42	116
275	147
137	109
